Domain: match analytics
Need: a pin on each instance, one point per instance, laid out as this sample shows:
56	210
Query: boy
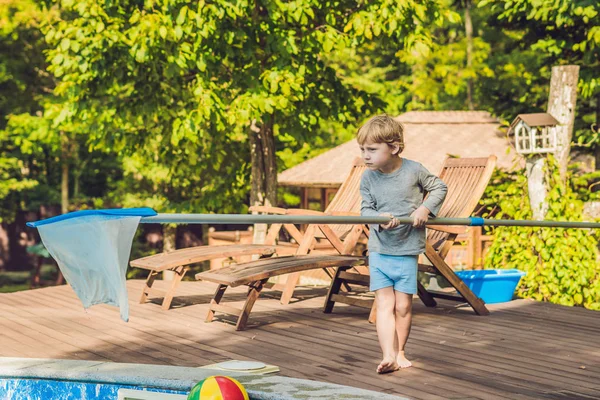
395	187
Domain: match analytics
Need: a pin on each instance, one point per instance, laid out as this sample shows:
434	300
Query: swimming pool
49	379
48	389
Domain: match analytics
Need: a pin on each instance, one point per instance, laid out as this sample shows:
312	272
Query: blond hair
381	129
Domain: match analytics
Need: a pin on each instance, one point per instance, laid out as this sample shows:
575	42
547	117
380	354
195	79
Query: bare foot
387	365
402	361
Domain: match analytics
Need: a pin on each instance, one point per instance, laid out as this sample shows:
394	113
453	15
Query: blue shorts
397	271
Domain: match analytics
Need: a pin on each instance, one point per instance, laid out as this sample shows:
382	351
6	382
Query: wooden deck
523	350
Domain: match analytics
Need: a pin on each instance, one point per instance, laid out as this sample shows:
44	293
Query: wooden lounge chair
347	199
466	179
343	238
255	274
179	260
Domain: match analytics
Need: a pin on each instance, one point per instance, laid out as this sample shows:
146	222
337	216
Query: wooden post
477	247
470	248
304	198
474	248
323	199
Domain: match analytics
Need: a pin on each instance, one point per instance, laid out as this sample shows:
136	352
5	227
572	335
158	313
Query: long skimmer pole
352	220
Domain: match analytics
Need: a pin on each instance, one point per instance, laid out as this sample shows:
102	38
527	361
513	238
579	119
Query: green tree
41	164
204	91
24	83
536	35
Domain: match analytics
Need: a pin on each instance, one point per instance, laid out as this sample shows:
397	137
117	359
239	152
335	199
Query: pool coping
259	387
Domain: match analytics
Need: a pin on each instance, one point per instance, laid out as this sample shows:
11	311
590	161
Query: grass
14	288
14	281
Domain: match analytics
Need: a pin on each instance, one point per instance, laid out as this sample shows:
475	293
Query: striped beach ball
218	388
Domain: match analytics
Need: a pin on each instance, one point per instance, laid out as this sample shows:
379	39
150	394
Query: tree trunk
64	186
78	168
469	36
597	129
561	105
169	245
264	171
534	168
264	166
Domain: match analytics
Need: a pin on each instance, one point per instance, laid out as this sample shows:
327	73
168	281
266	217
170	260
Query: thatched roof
430	137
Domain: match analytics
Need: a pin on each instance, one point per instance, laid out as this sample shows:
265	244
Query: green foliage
534	35
23	79
561	264
11	182
23	82
566	30
175	85
439	80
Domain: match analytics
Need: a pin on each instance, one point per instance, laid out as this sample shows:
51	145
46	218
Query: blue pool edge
259	387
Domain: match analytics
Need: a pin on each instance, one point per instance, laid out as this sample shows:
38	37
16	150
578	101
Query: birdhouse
534	133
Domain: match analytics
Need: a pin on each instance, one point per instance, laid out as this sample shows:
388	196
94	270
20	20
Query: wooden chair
347	199
255	275
466	179
343	238
179	260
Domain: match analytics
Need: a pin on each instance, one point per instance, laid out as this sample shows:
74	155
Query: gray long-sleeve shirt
400	193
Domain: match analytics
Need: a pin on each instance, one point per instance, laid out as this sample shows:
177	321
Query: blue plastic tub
492	285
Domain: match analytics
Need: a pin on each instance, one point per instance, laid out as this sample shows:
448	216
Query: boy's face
379	156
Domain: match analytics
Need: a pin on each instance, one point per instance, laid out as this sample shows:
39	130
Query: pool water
46	389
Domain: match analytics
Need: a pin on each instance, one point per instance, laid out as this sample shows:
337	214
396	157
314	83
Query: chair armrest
304	211
268	209
344	214
457	230
284	211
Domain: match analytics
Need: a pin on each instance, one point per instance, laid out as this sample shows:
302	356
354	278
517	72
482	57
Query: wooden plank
243	273
106	317
333	341
252	348
101	343
443	355
523	350
482	322
191	255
